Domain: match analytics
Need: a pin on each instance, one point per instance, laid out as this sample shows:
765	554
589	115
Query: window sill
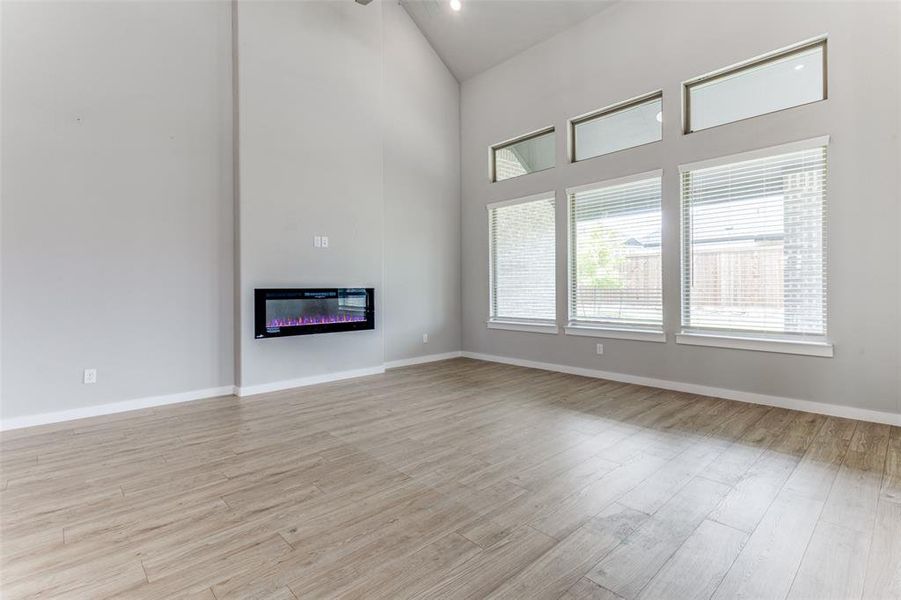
641	335
524	326
823	349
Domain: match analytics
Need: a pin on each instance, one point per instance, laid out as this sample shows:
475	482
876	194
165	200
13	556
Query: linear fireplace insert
301	311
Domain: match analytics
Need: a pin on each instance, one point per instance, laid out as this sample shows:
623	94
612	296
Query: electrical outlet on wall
90	375
425	338
317	241
600	348
325	241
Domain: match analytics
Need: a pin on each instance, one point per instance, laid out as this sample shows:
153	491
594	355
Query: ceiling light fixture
456	5
799	67
659	117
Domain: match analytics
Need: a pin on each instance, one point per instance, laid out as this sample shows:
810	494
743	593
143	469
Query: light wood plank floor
460	479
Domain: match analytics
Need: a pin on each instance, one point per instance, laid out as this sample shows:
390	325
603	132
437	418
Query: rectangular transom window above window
754	244
625	125
615	254
527	154
777	81
522	245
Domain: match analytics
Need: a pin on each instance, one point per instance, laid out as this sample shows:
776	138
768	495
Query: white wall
638	47
116	201
117	193
310	108
348	128
117	208
421	152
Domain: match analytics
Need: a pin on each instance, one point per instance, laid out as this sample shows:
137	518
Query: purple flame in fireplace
318	320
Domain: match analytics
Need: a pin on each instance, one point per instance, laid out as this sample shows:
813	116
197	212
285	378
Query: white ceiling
487	32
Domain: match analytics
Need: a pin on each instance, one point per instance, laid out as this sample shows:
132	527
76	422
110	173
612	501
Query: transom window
632	123
524	155
777	81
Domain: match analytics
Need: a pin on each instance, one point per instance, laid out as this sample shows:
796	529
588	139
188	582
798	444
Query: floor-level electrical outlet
90	375
425	338
600	348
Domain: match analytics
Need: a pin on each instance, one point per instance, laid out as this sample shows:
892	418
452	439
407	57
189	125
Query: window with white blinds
754	243
522	247
615	260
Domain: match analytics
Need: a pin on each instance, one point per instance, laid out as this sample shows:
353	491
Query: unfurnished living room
450	299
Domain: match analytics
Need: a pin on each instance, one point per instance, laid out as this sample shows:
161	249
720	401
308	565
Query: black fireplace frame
261	331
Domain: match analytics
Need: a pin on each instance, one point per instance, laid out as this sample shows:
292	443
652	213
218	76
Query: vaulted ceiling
488	32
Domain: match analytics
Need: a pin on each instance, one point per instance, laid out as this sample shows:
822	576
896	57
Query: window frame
492	152
787	343
534	325
747	65
607	111
610	329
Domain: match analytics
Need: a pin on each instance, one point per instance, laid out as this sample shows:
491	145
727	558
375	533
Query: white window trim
616	333
738	341
769	151
806	348
528	326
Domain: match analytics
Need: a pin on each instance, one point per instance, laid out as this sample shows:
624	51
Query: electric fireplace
283	312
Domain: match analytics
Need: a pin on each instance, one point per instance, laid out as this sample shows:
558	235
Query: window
528	154
618	127
753	235
780	80
522	248
615	260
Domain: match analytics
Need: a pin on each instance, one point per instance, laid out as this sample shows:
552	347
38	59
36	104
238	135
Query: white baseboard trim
418	360
113	408
849	412
151	401
287	384
834	410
